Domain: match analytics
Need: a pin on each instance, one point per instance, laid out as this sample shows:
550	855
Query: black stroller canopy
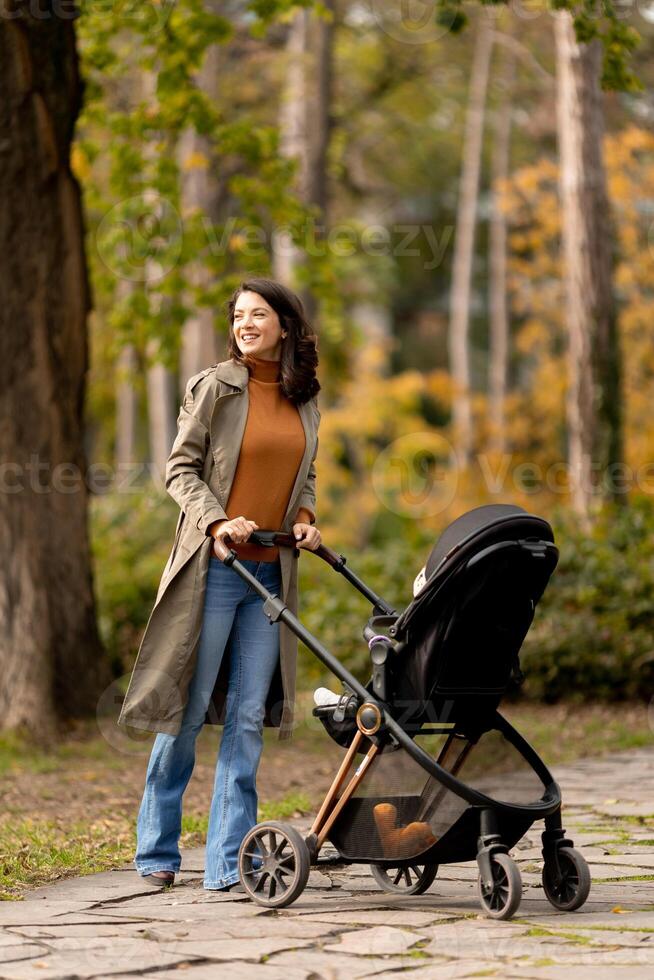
467	526
458	640
468	534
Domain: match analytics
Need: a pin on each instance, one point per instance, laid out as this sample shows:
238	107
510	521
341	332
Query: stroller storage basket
399	812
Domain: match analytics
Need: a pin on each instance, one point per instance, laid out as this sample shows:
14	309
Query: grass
37	852
566	732
82	745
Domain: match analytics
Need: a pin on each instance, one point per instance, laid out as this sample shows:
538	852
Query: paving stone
234	949
379	939
17	913
449	970
339	966
237	971
374	917
581	972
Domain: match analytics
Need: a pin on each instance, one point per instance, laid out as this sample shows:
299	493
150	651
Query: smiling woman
243	459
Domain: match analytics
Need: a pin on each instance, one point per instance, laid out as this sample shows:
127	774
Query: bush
131	538
593	633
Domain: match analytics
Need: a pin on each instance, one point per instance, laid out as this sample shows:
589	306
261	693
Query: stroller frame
272	851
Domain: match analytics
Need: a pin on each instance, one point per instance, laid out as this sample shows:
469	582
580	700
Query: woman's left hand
306	536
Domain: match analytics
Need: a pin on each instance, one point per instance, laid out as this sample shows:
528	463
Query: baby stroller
439	775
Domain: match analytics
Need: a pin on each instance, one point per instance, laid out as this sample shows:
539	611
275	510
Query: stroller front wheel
502	898
567	887
413	879
273	864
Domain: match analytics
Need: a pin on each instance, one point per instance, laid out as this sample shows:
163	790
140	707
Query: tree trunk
293	136
594	404
499	317
160	379
162	400
305	125
319	127
465	241
51	658
126	410
198	194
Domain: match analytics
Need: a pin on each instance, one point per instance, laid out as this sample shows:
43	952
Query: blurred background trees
462	194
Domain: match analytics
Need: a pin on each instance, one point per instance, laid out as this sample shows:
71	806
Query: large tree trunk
499	316
594	404
51	658
464	241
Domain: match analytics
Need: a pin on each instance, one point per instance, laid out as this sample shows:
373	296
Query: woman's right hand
239	529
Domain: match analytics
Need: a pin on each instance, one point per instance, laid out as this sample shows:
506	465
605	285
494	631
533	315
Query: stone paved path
109	924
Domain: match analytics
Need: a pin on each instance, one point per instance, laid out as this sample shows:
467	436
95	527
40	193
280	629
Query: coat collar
232	372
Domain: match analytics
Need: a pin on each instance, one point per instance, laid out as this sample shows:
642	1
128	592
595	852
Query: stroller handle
270	539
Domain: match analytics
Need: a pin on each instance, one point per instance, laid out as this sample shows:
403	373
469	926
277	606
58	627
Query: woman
270	336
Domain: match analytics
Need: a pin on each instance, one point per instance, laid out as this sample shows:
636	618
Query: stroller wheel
568	888
501	901
413	879
273	864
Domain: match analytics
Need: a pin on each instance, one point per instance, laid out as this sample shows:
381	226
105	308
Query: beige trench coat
199	475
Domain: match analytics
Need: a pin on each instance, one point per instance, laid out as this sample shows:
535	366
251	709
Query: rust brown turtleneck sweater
271	452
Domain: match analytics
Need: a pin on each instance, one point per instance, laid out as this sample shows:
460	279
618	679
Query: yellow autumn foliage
387	456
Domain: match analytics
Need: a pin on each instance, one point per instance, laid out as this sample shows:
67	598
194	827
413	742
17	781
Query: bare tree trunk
465	240
126	409
162	400
293	135
198	195
305	124
318	108
319	127
594	405
499	317
160	380
51	659
126	395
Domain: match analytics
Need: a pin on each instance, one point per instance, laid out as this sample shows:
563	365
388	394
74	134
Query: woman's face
256	327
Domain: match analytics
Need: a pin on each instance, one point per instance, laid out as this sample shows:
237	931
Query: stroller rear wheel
502	898
567	887
404	880
273	864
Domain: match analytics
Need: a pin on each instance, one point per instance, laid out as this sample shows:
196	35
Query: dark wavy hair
299	357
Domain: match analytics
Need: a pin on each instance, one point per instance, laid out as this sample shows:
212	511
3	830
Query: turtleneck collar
264	370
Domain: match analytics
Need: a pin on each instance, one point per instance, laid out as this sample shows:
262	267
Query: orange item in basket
401	841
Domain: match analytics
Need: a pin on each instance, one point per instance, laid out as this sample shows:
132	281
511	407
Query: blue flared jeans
233	615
